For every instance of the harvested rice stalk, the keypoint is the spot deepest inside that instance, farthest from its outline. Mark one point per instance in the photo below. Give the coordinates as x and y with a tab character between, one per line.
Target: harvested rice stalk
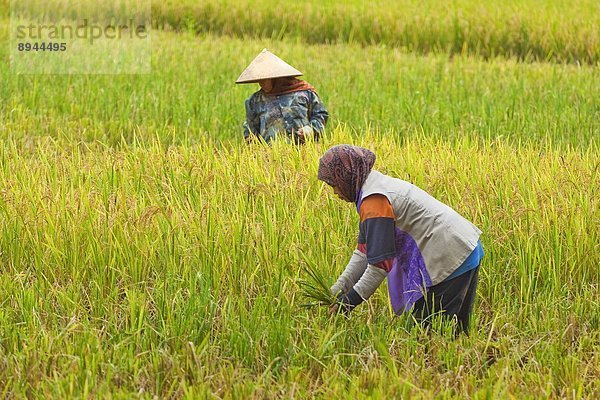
315	287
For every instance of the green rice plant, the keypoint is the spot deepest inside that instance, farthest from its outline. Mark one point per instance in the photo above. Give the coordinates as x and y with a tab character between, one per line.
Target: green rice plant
363	88
315	286
166	269
145	251
529	30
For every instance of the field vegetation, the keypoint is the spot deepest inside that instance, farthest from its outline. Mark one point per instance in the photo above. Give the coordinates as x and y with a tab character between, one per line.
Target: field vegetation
552	30
384	89
145	251
541	30
175	270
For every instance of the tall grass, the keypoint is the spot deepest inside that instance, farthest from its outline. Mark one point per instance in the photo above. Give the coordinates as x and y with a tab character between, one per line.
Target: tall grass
145	251
173	271
191	95
528	30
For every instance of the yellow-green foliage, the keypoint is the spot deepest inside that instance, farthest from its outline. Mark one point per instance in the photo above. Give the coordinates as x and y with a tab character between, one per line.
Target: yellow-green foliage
529	30
554	30
191	94
145	251
175	270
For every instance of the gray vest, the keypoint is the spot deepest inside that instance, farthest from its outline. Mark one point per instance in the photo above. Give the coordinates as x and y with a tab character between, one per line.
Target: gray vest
443	236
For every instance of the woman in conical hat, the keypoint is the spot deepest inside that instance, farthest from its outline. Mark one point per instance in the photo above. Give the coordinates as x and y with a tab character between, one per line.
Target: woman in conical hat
284	107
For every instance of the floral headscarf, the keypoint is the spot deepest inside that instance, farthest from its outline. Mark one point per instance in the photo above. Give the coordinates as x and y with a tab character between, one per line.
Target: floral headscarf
347	168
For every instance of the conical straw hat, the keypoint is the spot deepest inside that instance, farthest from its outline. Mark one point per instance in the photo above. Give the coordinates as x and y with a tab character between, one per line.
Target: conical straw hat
267	66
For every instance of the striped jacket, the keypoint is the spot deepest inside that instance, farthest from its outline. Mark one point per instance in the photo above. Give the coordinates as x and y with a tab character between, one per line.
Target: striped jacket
407	236
443	237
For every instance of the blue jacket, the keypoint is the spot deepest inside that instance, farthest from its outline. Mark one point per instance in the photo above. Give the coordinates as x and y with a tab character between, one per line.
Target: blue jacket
281	116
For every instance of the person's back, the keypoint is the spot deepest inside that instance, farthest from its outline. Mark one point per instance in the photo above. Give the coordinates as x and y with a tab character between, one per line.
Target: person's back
445	238
429	253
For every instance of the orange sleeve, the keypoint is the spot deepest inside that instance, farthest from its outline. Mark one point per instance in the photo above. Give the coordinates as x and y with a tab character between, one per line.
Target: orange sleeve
376	206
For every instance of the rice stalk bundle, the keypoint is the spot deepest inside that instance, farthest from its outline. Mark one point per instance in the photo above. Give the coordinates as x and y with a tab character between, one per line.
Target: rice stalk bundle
315	287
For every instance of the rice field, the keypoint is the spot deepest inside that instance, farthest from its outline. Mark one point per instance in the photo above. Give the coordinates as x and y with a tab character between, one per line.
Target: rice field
383	89
550	30
146	252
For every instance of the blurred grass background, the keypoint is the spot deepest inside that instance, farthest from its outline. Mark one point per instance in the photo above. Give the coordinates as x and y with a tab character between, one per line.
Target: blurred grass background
375	87
542	30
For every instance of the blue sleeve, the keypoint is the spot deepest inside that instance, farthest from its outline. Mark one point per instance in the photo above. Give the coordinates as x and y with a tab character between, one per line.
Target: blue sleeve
251	124
318	114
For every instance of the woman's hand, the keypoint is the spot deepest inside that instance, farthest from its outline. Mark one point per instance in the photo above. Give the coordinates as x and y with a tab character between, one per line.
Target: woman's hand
333	309
304	134
340	308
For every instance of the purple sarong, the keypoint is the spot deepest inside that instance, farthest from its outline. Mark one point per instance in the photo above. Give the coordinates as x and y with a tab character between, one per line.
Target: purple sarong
408	278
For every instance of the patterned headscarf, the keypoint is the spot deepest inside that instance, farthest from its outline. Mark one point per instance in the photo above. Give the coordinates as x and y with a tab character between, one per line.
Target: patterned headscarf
346	167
